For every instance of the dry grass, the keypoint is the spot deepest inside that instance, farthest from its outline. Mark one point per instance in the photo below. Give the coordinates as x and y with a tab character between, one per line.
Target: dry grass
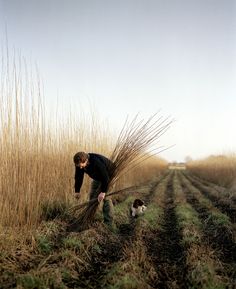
220	169
37	148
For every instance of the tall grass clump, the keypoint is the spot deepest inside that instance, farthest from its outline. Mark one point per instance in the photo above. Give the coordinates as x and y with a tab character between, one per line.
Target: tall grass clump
36	149
37	145
219	169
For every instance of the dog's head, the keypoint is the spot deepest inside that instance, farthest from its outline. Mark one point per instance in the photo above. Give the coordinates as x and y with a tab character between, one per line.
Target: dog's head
137	208
137	203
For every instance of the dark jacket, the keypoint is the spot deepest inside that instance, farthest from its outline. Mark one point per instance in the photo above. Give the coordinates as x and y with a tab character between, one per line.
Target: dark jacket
99	168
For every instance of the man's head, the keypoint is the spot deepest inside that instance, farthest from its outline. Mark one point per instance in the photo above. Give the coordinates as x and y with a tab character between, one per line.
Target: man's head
81	159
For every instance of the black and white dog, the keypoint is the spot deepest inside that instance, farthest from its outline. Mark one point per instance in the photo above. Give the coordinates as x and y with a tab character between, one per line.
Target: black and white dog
137	208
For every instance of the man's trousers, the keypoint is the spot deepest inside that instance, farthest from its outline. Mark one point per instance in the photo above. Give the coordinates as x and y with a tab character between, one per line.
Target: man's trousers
108	209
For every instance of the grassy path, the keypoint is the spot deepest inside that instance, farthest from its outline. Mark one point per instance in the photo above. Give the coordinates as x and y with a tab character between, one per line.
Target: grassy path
164	244
219	200
217	228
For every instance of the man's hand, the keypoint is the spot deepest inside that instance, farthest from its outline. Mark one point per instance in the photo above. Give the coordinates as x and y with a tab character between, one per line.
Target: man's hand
77	195
101	196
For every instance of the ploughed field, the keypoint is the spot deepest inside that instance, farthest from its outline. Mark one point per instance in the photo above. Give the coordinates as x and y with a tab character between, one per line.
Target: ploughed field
185	239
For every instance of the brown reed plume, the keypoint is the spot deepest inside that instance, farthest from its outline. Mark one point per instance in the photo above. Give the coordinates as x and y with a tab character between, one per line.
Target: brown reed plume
134	145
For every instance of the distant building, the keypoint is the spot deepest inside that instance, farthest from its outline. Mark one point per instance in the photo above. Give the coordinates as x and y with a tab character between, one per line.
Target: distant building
177	166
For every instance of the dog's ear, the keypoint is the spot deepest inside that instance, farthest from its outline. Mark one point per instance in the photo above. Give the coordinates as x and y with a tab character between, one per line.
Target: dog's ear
135	203
140	202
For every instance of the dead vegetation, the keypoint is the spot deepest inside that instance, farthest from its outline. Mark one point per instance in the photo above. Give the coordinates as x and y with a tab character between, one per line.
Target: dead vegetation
219	169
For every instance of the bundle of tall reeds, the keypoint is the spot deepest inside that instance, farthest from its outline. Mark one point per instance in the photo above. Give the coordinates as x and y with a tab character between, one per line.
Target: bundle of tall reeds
134	145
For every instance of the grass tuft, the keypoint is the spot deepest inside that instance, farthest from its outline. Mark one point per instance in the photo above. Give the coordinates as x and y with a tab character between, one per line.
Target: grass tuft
44	244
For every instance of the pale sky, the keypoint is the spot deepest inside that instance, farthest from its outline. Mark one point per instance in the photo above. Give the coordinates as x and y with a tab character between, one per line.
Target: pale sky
130	56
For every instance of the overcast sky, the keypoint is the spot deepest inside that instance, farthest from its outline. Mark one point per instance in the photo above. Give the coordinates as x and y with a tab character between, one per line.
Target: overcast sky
129	56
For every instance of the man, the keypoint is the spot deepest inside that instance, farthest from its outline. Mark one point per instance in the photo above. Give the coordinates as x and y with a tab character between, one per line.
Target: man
99	168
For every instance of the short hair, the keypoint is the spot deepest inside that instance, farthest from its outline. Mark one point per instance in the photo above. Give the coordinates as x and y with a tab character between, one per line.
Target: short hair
80	157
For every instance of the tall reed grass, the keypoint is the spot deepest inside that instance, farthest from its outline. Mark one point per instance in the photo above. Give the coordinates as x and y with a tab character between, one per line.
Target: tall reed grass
36	147
219	169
